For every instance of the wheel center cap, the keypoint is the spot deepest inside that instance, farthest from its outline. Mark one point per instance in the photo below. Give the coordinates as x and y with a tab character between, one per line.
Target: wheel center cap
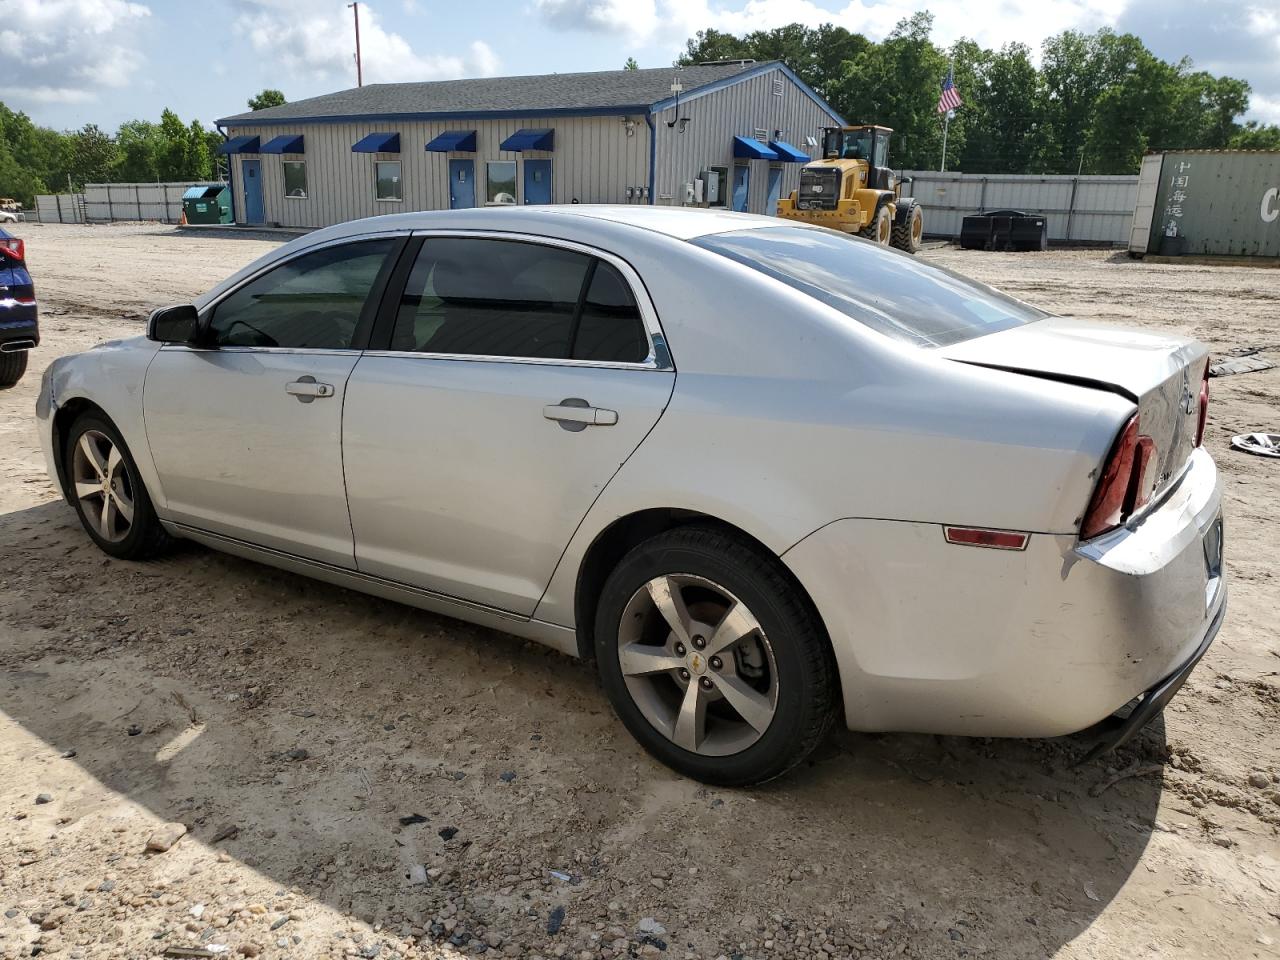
697	663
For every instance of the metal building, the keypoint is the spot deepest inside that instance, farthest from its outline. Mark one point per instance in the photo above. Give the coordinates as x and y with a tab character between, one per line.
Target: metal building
1208	203
724	134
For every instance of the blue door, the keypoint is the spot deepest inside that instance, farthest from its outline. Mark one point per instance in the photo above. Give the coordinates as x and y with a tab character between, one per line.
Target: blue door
537	181
462	184
741	187
251	170
775	191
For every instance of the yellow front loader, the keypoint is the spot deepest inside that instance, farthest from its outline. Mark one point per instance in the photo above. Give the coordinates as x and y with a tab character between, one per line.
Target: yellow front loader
853	189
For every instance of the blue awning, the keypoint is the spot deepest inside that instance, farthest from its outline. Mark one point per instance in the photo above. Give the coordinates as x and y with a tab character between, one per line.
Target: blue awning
748	149
461	141
239	145
289	143
378	143
787	153
529	140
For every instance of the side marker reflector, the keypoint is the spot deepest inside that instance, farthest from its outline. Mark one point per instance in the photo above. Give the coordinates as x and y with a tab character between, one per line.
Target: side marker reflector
979	537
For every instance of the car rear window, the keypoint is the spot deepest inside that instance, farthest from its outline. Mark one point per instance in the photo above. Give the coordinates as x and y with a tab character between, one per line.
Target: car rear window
891	292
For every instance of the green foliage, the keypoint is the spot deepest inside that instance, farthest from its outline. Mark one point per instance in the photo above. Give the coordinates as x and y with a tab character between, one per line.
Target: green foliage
631	64
1096	104
817	55
267	98
40	160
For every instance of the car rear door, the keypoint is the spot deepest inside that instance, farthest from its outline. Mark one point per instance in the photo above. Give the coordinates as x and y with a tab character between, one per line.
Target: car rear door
245	430
512	378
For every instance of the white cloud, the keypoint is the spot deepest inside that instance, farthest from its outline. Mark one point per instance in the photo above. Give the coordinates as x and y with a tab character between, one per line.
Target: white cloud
317	43
66	51
669	23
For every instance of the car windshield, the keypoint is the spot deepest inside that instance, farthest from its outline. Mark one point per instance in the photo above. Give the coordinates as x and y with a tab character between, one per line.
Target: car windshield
893	293
848	145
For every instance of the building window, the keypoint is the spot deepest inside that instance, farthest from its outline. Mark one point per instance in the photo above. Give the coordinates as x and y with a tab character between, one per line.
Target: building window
295	179
387	178
500	176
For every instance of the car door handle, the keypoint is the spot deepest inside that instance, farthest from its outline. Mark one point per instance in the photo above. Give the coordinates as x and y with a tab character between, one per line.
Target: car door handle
576	414
307	389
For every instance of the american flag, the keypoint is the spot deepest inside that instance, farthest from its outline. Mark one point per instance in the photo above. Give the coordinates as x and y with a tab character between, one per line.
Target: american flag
950	98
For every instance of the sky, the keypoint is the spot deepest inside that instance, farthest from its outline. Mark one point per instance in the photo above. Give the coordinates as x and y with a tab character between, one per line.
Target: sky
71	62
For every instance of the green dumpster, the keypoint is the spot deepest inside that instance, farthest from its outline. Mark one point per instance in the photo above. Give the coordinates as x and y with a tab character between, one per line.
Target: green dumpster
207	204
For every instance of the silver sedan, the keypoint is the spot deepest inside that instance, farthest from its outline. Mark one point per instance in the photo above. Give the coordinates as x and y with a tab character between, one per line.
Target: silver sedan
765	475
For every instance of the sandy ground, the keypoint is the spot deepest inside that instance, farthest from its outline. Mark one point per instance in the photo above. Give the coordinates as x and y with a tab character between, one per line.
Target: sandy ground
290	726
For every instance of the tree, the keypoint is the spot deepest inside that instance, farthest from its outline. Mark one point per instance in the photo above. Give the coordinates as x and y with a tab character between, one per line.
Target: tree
139	144
267	98
93	156
817	56
897	83
1256	136
631	64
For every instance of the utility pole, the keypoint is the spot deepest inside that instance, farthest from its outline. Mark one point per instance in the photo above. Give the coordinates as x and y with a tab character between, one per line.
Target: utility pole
355	7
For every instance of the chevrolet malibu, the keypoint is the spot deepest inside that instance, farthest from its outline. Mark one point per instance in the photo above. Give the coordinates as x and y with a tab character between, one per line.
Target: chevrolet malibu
768	476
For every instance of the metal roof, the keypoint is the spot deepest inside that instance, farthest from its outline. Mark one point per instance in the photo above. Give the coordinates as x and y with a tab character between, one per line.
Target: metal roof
609	91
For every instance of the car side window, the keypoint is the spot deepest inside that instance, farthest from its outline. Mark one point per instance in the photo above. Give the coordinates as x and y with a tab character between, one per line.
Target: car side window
314	301
510	298
610	327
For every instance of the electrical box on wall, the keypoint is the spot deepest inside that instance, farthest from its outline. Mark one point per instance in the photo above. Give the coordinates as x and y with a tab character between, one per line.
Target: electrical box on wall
712	187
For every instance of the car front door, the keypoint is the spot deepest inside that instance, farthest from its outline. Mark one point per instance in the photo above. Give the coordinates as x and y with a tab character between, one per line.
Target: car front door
245	429
516	375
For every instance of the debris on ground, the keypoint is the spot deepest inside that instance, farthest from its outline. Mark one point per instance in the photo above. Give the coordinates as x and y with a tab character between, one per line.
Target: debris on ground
1259	444
165	836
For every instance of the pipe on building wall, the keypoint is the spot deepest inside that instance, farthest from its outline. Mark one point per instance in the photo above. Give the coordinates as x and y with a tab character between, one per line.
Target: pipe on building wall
653	155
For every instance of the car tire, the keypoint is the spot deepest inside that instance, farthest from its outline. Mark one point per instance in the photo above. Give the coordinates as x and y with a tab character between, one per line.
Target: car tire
127	526
880	229
780	674
908	234
12	367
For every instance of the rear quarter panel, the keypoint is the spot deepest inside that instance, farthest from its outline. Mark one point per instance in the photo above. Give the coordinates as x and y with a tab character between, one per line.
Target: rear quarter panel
786	416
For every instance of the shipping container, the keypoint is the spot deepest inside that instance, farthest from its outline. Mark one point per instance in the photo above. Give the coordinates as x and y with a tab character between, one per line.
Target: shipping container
1208	203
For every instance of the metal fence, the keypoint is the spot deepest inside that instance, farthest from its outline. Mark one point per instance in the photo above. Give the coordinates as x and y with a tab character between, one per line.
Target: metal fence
58	208
1085	209
108	202
136	201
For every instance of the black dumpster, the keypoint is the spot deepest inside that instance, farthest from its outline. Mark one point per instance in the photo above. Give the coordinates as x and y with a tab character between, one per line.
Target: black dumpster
1004	230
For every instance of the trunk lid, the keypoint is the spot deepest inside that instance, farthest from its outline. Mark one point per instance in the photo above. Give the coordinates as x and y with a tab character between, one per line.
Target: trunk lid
1161	373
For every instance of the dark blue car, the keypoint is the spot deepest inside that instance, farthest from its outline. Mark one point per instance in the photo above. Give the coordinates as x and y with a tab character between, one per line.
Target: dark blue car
18	329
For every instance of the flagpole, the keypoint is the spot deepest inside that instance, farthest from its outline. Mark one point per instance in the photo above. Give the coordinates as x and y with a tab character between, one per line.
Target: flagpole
946	126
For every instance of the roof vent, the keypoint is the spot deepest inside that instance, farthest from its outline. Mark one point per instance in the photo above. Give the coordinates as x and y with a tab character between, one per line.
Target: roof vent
725	63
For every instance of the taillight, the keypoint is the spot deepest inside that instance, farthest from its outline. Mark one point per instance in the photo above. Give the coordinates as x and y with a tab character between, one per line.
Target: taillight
1204	406
1107	509
14	247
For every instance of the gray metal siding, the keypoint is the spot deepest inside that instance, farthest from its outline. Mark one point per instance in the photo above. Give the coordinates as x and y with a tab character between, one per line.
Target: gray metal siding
595	158
716	118
594	161
1095	209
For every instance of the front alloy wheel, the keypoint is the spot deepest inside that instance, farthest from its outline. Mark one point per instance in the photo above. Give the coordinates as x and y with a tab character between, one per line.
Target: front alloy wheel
103	486
713	657
108	494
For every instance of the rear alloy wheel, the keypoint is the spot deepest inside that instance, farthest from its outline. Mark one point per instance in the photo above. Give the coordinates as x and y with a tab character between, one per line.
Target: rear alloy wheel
108	493
12	367
713	658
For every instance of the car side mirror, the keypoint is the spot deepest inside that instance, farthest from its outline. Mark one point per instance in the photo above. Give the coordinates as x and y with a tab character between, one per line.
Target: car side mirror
180	324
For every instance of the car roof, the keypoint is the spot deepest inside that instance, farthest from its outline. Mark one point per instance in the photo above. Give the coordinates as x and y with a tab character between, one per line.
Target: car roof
682	223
